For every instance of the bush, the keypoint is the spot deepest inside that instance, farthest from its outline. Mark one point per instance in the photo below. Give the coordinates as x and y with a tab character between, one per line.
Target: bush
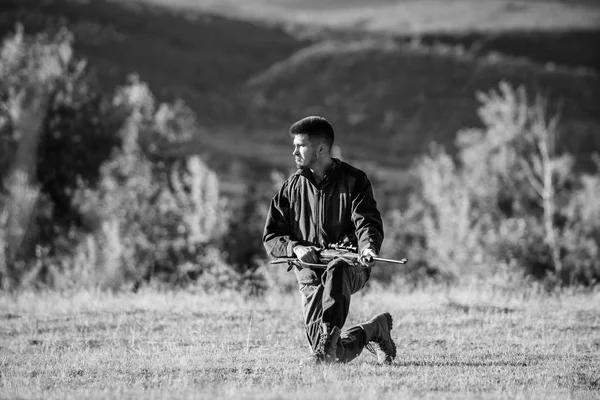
113	200
581	230
143	218
144	227
511	203
243	241
31	70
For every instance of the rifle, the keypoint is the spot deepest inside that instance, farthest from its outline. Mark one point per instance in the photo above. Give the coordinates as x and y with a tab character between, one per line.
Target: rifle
331	252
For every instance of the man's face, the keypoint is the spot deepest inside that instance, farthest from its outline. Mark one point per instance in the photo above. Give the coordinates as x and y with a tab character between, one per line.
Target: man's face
305	151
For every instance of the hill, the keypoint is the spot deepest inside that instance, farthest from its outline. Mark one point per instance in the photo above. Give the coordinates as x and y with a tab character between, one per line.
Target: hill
203	61
392	98
407	16
389	92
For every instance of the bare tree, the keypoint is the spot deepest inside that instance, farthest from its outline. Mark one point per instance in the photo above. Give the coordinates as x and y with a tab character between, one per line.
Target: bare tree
517	153
540	168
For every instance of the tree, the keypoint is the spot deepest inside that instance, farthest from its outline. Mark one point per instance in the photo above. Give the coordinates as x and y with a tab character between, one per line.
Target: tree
512	199
518	152
31	69
93	180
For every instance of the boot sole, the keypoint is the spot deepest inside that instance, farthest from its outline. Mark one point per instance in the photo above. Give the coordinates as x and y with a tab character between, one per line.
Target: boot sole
390	323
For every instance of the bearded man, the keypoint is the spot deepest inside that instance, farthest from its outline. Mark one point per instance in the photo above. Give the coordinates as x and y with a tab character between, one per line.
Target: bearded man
327	202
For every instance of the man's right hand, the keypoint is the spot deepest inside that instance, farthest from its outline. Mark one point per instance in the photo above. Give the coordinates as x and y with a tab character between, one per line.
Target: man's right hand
307	254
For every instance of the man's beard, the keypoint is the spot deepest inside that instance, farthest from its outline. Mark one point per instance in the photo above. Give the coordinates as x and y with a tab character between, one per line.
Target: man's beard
307	165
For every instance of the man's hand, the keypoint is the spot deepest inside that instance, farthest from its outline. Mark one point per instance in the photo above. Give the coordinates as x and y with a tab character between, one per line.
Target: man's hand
367	257
307	254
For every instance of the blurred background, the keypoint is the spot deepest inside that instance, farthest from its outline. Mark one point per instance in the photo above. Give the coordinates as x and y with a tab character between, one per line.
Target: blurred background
141	141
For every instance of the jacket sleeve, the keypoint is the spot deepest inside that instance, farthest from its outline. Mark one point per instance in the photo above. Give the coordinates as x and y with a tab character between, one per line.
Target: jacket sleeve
365	216
277	233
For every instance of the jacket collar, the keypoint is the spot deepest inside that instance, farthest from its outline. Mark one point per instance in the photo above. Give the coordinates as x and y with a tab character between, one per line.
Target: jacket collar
330	174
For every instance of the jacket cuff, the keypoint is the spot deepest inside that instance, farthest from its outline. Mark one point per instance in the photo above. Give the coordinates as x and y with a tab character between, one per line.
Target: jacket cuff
368	244
290	248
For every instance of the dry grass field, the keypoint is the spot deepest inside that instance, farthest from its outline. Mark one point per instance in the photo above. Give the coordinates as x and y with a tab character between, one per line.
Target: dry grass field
246	81
453	344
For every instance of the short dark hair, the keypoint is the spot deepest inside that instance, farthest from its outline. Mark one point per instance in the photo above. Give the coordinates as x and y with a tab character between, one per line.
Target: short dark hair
314	126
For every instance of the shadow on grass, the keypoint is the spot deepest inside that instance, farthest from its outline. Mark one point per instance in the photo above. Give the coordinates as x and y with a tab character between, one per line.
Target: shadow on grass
466	308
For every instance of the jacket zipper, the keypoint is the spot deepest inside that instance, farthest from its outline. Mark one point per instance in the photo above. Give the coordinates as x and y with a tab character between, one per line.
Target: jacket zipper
319	208
318	211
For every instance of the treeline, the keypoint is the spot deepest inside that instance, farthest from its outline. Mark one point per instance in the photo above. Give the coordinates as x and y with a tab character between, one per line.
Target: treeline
511	206
93	195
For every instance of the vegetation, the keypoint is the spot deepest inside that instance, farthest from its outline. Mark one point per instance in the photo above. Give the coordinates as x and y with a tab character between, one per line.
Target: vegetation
202	61
511	203
126	270
398	88
403	95
138	208
452	343
127	213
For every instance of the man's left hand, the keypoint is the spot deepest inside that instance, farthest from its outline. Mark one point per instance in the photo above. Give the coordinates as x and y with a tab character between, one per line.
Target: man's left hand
367	257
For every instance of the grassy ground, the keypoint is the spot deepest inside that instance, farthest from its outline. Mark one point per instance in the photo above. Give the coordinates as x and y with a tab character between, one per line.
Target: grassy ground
453	343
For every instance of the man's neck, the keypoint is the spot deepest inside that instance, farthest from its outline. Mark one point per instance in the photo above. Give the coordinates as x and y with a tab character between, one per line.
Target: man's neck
320	169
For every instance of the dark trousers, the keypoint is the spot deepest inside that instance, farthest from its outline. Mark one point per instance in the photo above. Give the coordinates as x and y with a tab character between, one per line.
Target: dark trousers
326	299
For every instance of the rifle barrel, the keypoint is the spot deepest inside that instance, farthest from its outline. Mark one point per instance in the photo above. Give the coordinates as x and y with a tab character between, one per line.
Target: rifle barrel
387	260
402	261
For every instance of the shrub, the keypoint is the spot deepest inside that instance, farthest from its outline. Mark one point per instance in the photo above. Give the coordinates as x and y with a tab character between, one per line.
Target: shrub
113	199
144	227
243	241
31	70
512	202
581	231
151	219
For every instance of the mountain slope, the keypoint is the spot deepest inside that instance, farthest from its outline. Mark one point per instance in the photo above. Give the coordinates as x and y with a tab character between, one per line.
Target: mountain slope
408	16
203	60
391	99
387	95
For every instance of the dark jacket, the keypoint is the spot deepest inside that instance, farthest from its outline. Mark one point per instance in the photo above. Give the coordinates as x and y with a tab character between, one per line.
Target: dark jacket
341	207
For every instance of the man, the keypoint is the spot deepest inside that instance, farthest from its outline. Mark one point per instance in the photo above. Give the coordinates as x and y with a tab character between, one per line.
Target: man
325	202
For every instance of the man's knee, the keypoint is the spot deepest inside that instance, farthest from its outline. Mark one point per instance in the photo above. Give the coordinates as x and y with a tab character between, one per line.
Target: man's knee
337	266
337	277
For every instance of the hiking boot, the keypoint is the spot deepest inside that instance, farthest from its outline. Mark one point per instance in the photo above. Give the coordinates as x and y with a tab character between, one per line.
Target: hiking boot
327	346
377	330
